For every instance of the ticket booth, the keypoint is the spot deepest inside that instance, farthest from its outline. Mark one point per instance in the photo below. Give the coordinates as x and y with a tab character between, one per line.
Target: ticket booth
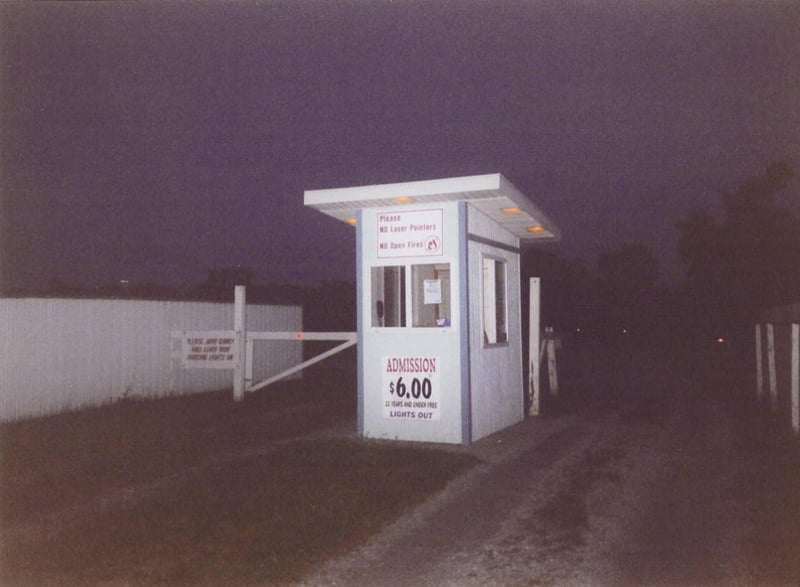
439	303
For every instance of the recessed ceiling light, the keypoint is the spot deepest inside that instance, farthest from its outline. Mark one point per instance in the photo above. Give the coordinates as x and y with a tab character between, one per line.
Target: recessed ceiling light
403	200
514	210
351	221
537	228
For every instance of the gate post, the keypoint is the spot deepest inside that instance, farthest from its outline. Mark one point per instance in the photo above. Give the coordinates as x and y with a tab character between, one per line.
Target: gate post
773	384
759	365
240	336
551	363
795	377
534	342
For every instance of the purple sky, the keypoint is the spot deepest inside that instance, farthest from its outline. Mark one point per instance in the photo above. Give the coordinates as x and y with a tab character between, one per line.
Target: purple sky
156	140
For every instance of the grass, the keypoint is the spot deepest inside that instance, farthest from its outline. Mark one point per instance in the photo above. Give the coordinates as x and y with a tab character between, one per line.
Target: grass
97	450
221	498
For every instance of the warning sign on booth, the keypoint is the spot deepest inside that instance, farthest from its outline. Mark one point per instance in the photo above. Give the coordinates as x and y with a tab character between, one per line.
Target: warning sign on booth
410	233
411	388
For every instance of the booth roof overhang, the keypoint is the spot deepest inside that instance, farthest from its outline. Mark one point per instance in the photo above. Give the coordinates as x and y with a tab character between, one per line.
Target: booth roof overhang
492	194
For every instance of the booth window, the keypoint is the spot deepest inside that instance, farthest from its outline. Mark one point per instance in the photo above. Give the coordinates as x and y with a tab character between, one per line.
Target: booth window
494	301
389	296
430	286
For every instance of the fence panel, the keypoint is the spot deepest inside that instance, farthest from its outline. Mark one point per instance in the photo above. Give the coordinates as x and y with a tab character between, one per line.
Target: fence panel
58	354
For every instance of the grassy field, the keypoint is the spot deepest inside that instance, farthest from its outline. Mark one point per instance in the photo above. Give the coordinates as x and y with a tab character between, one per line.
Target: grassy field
199	490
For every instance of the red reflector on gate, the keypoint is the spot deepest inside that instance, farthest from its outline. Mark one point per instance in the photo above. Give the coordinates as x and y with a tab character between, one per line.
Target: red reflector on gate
299	336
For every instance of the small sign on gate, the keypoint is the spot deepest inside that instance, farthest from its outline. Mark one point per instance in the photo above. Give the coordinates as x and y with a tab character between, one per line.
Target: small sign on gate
208	349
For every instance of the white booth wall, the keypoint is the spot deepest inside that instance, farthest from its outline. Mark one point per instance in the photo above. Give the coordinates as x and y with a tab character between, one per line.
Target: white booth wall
478	385
380	345
448	329
496	384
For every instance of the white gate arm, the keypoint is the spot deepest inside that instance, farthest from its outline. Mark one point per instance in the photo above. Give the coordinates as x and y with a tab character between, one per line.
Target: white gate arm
349	338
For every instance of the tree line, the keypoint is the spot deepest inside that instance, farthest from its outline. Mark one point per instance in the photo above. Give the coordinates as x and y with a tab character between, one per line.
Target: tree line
740	257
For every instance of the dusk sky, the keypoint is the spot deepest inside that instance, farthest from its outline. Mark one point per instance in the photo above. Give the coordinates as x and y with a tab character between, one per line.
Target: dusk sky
153	141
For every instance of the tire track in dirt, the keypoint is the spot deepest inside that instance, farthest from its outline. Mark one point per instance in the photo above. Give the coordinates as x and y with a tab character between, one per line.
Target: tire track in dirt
641	494
462	536
692	530
674	515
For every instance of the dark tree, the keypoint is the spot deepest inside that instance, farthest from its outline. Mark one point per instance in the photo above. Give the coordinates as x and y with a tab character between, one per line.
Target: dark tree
626	289
229	277
330	306
221	282
567	298
749	258
631	269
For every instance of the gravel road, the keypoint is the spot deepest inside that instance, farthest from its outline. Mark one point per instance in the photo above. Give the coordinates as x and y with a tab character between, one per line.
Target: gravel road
633	477
644	492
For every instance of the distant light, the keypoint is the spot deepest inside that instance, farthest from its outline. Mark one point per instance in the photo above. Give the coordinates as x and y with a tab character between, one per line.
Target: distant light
577	331
537	228
351	221
720	340
624	331
124	282
514	210
403	200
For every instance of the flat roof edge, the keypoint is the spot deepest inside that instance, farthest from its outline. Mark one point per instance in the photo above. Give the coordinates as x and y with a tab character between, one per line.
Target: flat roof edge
528	206
479	190
467	183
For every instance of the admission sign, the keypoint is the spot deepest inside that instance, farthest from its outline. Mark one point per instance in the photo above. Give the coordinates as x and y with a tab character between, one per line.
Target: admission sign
410	388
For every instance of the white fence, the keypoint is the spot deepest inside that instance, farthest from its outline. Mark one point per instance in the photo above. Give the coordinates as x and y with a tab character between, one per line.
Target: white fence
59	354
778	361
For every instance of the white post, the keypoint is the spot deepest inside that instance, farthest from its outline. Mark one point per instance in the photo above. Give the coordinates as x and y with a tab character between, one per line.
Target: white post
240	338
248	364
773	384
534	342
551	367
796	378
759	365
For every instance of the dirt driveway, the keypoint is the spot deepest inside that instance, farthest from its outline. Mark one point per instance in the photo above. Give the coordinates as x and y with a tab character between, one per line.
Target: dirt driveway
641	479
670	491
